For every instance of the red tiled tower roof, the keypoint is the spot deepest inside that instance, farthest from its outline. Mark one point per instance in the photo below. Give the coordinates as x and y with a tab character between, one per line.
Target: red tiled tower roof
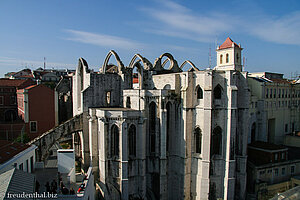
228	43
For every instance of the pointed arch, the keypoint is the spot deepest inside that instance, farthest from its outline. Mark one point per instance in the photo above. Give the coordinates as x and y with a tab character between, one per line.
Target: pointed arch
190	63
199	92
218	90
152	126
119	62
169	122
216	141
197	140
81	70
136	63
114	141
146	63
132	140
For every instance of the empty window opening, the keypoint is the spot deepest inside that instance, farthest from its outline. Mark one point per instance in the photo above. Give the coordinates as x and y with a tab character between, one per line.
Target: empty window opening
197	140
152	125
128	102
132	140
199	93
216	147
218	92
114	140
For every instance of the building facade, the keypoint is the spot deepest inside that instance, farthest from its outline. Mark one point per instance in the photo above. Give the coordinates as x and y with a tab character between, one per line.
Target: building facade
177	135
10	124
274	107
36	107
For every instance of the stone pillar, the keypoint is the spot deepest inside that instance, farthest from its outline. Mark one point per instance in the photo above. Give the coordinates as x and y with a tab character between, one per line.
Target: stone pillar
163	158
93	141
124	161
102	150
141	155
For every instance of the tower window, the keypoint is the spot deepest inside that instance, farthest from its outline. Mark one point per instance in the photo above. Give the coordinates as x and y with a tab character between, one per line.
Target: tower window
227	58
221	59
199	92
237	57
218	92
197	140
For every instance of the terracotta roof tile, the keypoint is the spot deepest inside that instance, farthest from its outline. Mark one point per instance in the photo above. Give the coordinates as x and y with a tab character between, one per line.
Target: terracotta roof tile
228	43
11	82
9	149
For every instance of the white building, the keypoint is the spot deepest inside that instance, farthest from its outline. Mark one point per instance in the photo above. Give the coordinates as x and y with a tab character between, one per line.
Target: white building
274	107
17	155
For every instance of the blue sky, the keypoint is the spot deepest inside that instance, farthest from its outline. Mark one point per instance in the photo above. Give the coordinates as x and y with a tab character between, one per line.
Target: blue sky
63	31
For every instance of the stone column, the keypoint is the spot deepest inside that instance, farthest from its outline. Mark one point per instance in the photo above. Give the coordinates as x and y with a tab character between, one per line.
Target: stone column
141	155
124	161
93	141
102	150
163	158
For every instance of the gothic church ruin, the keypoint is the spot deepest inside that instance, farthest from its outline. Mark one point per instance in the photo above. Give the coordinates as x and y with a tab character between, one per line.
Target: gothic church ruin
153	132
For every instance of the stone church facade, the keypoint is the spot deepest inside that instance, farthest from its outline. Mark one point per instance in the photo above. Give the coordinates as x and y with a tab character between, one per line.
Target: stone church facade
172	135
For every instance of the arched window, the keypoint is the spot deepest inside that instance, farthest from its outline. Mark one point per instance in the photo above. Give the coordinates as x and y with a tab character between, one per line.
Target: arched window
221	59
199	92
128	102
132	140
216	140
152	125
197	140
218	92
114	139
169	106
237	57
227	58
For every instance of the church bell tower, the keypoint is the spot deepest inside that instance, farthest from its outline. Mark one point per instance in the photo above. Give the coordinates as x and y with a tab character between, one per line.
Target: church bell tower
229	56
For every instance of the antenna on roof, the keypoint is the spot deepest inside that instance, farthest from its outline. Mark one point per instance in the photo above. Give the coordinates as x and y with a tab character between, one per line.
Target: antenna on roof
44	63
209	57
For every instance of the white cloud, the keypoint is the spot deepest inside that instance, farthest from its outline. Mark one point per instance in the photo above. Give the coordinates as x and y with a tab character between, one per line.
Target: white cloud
178	21
103	40
282	30
175	20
